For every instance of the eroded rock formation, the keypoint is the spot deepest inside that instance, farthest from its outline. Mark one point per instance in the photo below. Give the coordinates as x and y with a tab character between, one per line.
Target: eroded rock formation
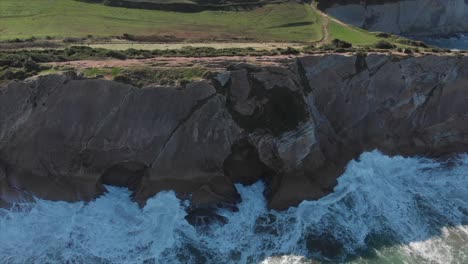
414	17
295	127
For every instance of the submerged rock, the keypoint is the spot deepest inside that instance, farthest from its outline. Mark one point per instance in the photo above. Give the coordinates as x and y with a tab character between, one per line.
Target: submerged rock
295	127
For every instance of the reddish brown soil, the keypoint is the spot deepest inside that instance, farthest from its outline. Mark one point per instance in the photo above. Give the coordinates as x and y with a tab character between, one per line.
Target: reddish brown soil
209	62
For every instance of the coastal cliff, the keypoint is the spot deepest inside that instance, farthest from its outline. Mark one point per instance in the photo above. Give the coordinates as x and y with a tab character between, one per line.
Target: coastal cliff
412	17
293	126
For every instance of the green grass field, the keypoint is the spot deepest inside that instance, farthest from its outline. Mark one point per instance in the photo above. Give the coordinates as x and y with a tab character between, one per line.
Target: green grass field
350	34
68	18
361	37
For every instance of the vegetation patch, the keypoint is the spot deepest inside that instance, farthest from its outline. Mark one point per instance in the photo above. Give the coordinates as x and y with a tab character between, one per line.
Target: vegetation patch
384	45
143	76
75	20
21	64
337	45
74	53
19	67
362	38
356	36
102	72
26	22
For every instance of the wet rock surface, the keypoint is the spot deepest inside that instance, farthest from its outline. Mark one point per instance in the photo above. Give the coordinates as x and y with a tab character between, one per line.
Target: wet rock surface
295	127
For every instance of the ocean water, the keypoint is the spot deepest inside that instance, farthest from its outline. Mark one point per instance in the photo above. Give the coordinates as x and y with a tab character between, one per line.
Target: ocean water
384	210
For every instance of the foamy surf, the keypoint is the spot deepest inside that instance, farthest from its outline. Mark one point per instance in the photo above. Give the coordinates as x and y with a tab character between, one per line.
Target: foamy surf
384	210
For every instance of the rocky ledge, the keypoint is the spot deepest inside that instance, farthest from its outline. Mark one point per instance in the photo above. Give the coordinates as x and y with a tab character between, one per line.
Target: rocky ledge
295	127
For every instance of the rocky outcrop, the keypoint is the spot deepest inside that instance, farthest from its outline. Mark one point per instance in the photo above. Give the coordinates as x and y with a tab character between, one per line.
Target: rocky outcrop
63	138
413	17
295	127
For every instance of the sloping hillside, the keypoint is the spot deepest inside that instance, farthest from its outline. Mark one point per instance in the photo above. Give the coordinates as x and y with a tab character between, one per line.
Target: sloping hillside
78	22
289	21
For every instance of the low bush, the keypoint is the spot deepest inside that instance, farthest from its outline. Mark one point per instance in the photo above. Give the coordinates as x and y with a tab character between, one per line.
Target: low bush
72	40
289	51
18	66
337	44
116	54
407	51
384	45
383	35
413	43
341	44
161	76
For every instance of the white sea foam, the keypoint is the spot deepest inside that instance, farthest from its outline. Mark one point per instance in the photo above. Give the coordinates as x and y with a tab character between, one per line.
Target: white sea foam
384	210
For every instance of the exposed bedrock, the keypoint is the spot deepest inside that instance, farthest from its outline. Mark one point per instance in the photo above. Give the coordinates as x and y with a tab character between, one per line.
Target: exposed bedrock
415	17
295	127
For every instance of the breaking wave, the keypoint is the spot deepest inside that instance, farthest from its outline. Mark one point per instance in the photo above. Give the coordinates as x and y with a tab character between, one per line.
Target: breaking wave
383	210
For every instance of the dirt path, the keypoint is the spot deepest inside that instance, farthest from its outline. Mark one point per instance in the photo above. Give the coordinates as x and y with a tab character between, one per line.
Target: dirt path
326	33
215	63
208	62
123	45
216	45
325	22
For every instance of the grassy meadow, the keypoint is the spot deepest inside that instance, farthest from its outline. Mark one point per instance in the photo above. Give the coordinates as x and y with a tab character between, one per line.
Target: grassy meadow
286	22
350	34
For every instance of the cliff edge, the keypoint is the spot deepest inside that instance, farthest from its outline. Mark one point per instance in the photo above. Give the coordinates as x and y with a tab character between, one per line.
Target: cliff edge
295	127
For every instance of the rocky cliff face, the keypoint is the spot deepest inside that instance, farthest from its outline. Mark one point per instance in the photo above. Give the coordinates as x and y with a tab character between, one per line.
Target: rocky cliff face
63	138
415	17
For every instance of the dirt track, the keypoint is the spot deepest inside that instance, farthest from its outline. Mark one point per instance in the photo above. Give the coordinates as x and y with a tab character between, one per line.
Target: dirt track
209	62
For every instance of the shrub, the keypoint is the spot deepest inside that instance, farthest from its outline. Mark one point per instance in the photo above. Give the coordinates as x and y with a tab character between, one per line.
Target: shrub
289	51
123	79
309	49
72	40
413	43
338	43
116	54
78	50
30	66
128	36
384	45
408	51
383	35
14	75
